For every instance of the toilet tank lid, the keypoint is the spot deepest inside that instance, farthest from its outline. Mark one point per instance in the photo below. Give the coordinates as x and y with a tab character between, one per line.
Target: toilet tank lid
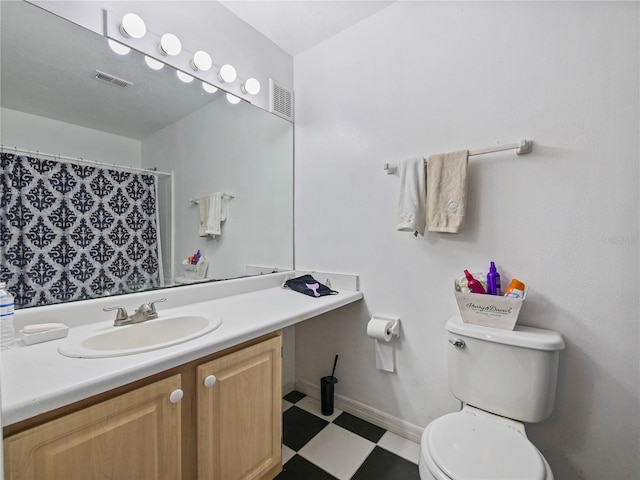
521	336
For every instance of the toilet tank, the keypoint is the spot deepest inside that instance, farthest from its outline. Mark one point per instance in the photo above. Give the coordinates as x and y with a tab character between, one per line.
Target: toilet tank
510	373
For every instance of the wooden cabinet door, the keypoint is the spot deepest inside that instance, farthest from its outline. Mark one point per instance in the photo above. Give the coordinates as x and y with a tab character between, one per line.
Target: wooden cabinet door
133	436
240	416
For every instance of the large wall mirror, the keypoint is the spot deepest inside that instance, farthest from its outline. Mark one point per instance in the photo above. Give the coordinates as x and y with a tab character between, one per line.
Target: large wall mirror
236	157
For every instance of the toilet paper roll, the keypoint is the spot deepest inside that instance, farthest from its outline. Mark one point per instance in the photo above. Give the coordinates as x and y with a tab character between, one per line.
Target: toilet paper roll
379	329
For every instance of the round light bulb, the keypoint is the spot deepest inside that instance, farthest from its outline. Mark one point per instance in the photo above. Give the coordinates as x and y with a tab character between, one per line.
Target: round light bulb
184	77
170	44
207	87
232	99
201	61
153	64
227	74
119	48
132	26
251	86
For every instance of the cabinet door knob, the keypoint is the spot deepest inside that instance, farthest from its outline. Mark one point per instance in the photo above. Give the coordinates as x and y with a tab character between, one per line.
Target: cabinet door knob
209	381
176	395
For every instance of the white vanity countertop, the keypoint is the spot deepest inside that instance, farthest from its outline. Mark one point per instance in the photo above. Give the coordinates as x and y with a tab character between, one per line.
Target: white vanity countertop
37	379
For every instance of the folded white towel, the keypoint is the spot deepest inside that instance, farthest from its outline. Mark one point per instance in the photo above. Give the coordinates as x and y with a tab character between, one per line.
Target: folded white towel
446	191
411	213
217	214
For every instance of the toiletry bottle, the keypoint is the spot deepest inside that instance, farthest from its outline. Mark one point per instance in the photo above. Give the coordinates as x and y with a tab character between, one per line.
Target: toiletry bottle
515	289
493	281
474	285
7	336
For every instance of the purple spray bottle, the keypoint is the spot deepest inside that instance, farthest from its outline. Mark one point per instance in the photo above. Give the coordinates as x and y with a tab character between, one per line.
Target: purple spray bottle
493	281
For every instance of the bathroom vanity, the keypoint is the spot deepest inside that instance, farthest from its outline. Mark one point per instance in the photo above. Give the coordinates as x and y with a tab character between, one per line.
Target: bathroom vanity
206	408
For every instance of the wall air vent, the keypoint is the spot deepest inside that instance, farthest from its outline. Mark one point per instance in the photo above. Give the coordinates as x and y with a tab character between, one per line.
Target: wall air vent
280	101
115	81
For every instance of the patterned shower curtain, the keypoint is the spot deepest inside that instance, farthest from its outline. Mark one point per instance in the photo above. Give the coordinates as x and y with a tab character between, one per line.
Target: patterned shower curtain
72	232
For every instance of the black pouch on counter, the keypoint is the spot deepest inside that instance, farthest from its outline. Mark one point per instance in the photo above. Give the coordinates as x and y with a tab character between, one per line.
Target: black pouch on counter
309	286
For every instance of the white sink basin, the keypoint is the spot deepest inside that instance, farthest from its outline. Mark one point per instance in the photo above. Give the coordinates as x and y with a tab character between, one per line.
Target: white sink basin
139	337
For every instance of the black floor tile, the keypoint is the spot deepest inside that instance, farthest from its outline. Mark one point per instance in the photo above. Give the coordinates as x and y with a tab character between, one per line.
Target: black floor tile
300	469
294	396
384	465
360	427
298	427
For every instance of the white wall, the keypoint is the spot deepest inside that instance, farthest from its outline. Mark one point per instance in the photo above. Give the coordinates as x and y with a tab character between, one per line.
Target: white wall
32	132
426	77
240	150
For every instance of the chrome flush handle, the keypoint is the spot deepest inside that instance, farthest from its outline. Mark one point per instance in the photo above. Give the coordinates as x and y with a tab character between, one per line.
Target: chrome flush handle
457	342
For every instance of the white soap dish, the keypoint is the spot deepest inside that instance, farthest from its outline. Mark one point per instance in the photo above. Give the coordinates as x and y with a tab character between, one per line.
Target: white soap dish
32	334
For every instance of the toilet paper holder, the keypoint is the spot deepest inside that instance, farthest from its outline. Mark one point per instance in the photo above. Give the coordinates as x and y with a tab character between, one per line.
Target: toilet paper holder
394	329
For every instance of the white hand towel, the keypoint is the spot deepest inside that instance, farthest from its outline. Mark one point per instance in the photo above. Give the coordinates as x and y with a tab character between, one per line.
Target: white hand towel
203	206
446	191
217	214
411	214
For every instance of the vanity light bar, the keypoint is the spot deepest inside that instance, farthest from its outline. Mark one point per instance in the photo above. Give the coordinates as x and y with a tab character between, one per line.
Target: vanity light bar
131	31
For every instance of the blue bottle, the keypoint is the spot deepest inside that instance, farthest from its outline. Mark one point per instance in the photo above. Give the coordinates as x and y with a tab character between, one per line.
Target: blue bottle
493	281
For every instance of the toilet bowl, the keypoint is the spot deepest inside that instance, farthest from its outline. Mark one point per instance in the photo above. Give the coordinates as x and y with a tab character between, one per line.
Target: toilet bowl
477	445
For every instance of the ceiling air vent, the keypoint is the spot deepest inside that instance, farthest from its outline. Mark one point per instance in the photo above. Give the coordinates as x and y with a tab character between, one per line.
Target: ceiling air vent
280	101
115	81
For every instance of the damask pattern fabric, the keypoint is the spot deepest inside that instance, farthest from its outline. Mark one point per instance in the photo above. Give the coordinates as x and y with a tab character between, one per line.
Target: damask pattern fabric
72	232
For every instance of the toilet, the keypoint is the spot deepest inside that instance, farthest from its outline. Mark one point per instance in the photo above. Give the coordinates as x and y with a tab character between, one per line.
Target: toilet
504	379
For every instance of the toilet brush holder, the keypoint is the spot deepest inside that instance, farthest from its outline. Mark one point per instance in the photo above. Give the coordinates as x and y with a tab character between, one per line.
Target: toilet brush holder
327	390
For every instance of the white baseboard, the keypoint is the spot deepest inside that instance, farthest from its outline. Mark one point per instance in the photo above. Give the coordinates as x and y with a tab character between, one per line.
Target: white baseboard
388	422
287	388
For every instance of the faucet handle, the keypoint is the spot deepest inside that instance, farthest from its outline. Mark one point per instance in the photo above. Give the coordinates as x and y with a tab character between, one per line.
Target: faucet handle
121	315
152	304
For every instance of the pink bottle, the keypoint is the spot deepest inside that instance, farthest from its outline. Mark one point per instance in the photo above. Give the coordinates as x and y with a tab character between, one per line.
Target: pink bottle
474	285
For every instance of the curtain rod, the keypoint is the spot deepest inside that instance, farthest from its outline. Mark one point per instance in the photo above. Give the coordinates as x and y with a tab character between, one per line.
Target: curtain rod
82	160
521	148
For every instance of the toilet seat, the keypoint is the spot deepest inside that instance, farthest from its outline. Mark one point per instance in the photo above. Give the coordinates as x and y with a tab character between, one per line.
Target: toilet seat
472	444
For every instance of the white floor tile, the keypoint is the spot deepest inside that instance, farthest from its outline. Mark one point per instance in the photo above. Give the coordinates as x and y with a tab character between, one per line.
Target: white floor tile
286	405
337	451
314	406
287	453
400	446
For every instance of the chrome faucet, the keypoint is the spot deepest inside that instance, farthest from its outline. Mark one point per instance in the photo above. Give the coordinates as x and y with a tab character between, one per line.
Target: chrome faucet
146	311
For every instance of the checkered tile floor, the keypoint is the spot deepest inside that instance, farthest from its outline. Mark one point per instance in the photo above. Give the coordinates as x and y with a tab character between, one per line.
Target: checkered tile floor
340	446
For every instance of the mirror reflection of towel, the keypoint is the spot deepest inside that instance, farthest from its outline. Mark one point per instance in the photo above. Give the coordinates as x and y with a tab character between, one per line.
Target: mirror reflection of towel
446	191
217	214
203	206
212	214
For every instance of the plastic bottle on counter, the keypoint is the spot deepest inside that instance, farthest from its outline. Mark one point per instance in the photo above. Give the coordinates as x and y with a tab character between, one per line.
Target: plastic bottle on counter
7	335
515	289
474	285
493	281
